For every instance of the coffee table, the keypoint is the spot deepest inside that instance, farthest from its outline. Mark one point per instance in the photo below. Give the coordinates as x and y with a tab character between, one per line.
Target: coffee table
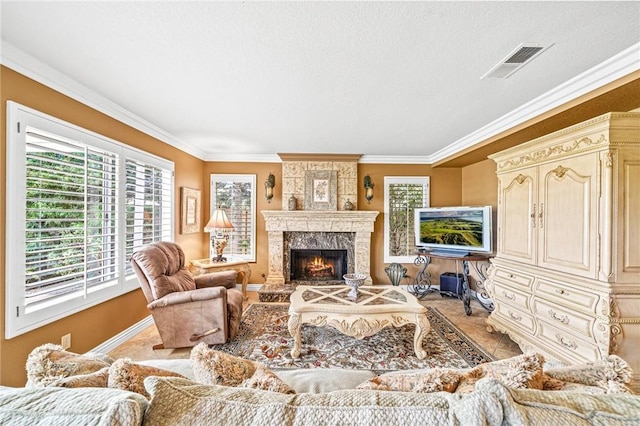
375	308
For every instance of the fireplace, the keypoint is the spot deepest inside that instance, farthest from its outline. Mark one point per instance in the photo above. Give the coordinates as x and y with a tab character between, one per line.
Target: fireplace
318	230
318	265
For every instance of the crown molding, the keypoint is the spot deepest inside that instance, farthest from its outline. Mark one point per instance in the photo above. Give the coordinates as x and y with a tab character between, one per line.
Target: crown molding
226	157
395	159
616	67
318	157
27	65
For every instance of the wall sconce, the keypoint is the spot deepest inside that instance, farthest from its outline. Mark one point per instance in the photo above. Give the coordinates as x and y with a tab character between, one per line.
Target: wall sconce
220	227
368	188
268	187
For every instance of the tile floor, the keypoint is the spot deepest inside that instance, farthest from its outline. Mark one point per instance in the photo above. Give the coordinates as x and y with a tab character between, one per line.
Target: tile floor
499	345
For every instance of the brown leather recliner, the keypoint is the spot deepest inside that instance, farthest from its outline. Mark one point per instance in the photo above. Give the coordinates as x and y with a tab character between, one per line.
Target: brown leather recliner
187	311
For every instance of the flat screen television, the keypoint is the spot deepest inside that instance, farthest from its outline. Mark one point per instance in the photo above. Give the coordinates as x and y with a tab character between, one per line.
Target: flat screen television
455	231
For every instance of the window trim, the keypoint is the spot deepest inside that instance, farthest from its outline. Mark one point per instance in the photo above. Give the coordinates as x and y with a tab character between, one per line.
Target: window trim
17	320
236	177
390	180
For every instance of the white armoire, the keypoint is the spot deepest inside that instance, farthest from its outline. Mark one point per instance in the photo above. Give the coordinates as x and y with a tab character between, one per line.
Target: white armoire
565	280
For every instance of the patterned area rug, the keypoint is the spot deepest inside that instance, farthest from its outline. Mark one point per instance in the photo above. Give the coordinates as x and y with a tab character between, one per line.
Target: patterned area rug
264	337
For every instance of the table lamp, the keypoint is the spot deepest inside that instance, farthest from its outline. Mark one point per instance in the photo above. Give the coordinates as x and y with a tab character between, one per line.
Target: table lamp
220	227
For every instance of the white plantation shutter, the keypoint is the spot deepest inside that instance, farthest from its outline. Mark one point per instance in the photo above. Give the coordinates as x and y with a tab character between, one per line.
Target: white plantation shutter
70	217
402	196
78	205
148	205
236	195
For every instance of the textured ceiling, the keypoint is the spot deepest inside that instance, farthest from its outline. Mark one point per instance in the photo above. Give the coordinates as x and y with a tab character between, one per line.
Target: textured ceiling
258	78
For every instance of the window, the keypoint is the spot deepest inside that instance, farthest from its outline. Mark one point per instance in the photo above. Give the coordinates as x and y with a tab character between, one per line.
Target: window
236	194
80	204
401	196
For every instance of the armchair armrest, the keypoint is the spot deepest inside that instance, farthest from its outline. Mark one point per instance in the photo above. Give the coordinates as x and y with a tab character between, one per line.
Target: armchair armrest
225	279
180	297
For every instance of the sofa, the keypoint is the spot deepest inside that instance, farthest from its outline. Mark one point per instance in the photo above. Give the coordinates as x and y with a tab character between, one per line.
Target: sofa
215	388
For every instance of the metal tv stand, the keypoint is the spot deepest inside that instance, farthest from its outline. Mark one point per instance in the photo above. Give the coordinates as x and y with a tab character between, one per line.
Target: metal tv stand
422	284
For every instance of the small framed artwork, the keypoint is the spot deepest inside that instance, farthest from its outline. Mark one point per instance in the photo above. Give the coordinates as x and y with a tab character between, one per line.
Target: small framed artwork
190	210
320	190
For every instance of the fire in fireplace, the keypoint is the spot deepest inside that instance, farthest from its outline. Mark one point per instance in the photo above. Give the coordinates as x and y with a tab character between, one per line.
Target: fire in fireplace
318	265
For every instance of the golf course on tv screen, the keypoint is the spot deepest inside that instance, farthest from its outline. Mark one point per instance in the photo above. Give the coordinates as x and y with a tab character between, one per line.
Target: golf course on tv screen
452	228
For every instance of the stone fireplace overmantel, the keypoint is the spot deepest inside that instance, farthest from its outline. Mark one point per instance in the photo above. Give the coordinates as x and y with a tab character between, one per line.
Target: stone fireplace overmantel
358	222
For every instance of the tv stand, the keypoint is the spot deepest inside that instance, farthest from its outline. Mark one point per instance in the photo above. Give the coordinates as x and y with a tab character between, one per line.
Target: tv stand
422	284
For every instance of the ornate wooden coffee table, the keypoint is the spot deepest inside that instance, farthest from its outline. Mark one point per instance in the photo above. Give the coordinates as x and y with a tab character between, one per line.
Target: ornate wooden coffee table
375	308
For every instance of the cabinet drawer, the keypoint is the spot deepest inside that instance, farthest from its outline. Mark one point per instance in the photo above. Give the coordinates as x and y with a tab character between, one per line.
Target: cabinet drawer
574	348
506	293
563	318
567	296
514	277
522	320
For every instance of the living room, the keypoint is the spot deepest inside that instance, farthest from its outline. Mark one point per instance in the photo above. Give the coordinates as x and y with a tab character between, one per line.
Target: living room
464	178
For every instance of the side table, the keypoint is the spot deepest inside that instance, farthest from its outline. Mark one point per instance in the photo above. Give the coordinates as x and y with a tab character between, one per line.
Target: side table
203	266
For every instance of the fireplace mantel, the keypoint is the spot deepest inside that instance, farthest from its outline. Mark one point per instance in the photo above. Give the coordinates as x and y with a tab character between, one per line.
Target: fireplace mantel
278	222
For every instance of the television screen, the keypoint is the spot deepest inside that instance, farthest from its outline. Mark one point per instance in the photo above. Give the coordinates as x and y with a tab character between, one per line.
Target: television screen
460	230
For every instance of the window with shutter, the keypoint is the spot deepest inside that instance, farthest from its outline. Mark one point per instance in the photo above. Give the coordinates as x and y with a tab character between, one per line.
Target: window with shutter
80	203
148	212
235	193
401	196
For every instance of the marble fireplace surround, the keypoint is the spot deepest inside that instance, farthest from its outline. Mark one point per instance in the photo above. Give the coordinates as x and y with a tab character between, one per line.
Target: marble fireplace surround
277	223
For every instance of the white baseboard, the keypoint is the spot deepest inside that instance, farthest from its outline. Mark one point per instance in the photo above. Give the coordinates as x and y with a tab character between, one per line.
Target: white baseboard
251	287
122	337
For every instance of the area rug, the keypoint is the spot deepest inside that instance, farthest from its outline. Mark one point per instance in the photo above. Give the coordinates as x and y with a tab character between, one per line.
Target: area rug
264	337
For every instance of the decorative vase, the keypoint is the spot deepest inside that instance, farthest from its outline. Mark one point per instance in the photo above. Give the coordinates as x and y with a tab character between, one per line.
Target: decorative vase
293	203
354	281
396	273
348	205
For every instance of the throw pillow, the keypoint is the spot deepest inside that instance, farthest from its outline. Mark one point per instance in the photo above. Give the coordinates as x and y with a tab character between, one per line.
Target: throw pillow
549	383
97	379
434	380
126	375
211	367
265	379
49	363
611	374
523	371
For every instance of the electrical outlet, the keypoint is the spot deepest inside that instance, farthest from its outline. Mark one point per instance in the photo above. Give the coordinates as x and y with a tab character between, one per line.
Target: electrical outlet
65	342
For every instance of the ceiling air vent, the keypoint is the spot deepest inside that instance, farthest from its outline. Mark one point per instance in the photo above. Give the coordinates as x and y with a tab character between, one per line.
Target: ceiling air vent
515	60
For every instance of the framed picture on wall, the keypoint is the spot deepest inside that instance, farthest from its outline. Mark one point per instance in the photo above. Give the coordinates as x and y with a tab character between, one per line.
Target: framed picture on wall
190	210
321	187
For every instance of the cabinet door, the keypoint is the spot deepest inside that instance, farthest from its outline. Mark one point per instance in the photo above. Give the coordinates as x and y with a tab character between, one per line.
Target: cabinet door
567	215
517	224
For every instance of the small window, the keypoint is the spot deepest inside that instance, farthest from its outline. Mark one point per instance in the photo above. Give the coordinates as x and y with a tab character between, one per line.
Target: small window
236	194
401	196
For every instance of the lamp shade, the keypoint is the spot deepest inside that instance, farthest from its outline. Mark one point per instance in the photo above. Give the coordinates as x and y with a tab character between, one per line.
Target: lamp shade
218	222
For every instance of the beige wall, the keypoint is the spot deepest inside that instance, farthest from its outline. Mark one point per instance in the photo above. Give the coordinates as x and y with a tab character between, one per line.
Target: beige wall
93	326
480	184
